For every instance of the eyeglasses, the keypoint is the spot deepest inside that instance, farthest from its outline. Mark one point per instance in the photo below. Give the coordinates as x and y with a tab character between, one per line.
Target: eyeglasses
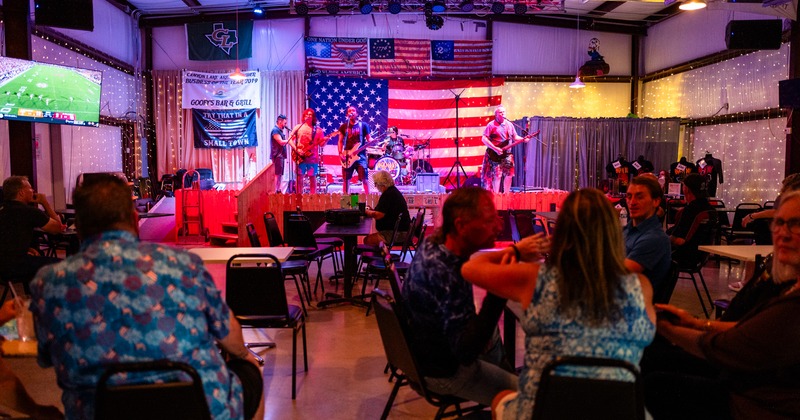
792	225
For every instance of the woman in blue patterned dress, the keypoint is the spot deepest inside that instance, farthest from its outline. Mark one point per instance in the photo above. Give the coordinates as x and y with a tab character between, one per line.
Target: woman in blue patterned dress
581	301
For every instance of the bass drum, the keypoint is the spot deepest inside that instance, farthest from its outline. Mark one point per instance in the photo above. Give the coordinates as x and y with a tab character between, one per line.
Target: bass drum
388	164
420	166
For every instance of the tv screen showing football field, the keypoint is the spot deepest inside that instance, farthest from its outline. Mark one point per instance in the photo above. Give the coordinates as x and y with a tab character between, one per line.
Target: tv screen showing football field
48	93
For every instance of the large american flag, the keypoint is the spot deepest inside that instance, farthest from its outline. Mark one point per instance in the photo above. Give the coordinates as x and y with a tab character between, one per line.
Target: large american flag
462	58
422	110
399	57
337	56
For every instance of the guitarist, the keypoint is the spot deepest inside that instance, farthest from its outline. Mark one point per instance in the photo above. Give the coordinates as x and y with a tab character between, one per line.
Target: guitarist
354	135
498	136
305	140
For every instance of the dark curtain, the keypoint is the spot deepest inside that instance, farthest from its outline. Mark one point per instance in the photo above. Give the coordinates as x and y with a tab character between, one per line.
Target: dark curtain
573	152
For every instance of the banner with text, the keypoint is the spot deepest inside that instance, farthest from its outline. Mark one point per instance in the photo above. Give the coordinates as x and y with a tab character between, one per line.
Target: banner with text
218	91
224	128
337	56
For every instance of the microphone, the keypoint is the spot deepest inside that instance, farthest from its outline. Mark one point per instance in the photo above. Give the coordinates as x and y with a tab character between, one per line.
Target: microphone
404	135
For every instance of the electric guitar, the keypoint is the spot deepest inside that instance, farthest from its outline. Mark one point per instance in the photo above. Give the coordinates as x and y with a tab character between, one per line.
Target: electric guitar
495	138
302	151
350	156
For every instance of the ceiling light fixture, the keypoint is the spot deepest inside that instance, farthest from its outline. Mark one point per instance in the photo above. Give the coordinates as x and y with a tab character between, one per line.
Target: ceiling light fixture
395	7
434	22
520	8
498	8
693	5
439	6
467	6
237	76
577	84
258	11
332	7
365	6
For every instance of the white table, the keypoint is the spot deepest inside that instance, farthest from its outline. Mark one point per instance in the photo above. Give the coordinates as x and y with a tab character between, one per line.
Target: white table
223	254
745	253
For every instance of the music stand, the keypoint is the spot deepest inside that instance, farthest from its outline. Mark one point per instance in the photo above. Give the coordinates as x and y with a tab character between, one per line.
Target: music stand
457	164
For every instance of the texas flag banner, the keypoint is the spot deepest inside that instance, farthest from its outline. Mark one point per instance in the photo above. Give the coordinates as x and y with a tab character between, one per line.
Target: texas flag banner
462	58
399	57
423	111
337	56
220	40
224	128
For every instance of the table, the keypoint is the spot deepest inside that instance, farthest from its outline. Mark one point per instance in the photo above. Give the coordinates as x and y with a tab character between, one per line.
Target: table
550	215
746	253
223	254
349	234
142	215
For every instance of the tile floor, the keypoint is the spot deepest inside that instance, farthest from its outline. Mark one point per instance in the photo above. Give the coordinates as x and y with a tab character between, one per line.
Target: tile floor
346	361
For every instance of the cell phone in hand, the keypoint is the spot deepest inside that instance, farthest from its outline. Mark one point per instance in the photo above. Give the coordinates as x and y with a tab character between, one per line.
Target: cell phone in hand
671	317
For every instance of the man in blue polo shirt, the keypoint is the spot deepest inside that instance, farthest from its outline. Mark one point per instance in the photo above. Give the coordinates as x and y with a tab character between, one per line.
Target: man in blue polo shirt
647	247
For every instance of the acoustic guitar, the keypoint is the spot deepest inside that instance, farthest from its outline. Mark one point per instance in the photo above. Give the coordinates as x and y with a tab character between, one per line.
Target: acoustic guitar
505	146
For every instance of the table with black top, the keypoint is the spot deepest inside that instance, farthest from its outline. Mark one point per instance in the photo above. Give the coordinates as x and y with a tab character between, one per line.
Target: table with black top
349	234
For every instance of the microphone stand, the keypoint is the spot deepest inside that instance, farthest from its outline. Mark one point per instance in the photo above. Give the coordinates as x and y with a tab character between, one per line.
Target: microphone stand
457	164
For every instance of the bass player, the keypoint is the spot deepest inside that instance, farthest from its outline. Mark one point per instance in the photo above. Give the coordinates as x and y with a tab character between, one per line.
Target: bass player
499	137
305	140
353	141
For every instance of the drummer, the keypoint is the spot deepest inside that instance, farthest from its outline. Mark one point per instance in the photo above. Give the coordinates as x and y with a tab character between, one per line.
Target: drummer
395	147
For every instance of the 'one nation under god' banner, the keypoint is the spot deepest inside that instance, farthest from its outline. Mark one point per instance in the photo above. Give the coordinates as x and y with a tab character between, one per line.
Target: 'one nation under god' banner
218	91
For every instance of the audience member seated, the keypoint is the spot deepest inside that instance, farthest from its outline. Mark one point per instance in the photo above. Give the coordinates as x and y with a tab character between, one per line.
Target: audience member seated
696	203
752	367
581	301
19	217
122	300
460	351
12	393
390	205
759	221
647	247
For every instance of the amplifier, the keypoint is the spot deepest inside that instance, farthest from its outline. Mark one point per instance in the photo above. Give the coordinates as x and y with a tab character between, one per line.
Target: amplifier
428	182
343	216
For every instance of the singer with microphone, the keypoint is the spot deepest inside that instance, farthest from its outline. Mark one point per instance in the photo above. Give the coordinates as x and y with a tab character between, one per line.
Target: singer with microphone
277	151
353	142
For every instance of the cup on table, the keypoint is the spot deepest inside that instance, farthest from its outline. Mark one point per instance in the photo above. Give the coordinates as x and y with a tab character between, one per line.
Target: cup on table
25	330
362	208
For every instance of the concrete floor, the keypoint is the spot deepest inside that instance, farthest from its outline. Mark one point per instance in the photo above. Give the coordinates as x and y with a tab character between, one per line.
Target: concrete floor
346	360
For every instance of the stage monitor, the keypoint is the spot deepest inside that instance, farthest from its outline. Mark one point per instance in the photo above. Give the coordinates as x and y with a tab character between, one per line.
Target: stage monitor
789	93
70	14
48	93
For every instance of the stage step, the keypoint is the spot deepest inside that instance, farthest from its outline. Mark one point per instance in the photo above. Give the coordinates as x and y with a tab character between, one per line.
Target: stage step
223	239
230	227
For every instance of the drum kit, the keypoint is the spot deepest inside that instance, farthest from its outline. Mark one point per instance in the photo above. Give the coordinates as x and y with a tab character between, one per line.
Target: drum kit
403	162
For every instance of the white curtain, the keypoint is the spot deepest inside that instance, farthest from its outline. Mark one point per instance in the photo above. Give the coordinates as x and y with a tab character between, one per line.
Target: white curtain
282	92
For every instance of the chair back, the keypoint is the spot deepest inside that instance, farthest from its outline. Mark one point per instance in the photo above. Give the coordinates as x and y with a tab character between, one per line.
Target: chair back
570	397
299	232
538	226
769	204
409	239
252	235
396	230
664	294
512	224
702	232
394	335
394	277
255	290
274	236
525	222
163	400
418	229
742	210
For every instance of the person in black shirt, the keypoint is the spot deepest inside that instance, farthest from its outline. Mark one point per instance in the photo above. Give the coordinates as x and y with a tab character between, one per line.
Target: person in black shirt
696	203
19	258
390	205
278	149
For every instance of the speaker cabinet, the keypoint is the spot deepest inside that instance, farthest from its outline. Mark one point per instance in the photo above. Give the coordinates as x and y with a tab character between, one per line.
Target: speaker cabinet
753	34
789	93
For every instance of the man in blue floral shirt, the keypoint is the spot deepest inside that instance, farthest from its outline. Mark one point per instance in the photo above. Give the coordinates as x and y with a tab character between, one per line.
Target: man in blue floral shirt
121	300
460	351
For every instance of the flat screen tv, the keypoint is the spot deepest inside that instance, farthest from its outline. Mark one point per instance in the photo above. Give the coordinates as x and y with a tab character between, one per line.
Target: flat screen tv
48	93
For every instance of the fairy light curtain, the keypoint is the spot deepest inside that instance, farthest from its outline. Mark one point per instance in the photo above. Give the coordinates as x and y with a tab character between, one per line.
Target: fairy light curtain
573	152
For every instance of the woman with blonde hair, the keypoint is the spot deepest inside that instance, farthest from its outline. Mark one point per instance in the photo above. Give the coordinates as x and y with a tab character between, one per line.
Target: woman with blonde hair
581	301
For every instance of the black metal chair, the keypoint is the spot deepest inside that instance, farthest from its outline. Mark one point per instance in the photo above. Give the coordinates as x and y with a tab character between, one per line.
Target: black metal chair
690	260
397	345
291	268
664	294
178	399
736	232
299	233
569	397
257	297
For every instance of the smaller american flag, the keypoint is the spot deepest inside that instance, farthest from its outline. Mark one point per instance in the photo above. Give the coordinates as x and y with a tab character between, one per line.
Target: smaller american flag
462	59
337	56
399	57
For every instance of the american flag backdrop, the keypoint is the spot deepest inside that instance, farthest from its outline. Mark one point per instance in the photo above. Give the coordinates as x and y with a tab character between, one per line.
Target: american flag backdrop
390	57
462	58
337	56
422	110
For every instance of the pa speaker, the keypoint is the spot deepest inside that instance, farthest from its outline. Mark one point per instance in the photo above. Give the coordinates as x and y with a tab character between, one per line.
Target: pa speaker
753	34
70	14
789	93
